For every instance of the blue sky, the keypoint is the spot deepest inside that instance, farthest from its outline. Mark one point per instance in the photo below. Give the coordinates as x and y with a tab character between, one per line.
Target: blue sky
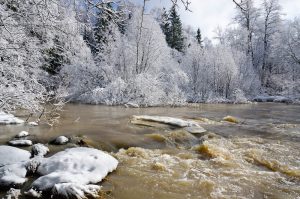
208	14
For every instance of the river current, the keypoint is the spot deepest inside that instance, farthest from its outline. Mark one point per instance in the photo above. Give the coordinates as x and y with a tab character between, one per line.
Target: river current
258	157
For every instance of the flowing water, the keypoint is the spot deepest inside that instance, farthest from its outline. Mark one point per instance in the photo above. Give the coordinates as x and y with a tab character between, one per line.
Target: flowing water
257	158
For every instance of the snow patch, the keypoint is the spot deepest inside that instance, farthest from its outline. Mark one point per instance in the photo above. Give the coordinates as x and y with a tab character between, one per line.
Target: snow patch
6	118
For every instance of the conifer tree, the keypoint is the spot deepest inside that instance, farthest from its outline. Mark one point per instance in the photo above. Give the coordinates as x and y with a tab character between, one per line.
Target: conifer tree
165	24
101	29
175	37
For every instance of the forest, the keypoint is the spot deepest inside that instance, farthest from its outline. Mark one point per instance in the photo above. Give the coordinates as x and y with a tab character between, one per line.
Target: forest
118	52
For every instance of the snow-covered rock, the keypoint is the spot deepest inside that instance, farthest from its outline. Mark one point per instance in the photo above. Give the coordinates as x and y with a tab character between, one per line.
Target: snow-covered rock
80	166
132	105
33	124
13	166
22	134
13	174
13	194
166	120
10	155
195	129
20	142
39	150
70	190
60	140
6	118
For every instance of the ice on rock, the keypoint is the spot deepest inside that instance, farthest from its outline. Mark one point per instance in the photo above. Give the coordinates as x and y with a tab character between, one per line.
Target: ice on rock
60	140
78	166
69	190
39	150
6	118
20	142
166	120
22	134
13	166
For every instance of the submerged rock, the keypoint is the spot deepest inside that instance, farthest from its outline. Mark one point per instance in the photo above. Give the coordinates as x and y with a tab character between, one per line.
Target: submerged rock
60	140
6	118
79	166
39	150
20	142
22	134
166	120
231	119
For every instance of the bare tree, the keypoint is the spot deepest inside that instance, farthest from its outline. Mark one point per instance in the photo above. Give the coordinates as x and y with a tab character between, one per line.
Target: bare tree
247	18
271	14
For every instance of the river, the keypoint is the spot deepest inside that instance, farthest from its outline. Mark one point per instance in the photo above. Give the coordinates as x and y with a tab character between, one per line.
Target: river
257	158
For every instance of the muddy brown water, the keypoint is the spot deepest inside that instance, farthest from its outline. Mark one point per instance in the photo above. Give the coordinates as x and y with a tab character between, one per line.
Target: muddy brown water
257	158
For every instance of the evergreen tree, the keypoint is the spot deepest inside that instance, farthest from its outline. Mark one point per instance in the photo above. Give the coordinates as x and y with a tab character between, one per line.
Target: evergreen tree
199	38
165	24
54	57
102	28
175	37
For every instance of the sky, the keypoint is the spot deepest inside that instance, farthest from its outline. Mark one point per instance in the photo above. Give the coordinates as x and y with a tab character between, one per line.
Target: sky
209	14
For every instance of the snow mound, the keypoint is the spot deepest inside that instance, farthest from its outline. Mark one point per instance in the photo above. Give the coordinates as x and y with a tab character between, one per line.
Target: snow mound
69	190
39	150
6	118
166	120
60	140
20	142
22	134
80	166
10	155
